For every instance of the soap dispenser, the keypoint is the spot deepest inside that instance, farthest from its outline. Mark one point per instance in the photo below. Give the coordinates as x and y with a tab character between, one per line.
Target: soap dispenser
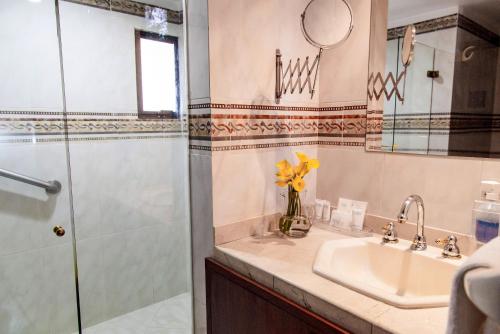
486	212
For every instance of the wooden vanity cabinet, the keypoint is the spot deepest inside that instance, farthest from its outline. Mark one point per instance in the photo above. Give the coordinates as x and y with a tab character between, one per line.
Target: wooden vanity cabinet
239	305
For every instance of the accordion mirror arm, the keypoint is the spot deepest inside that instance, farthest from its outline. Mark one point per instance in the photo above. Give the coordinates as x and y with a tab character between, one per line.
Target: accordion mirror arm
295	76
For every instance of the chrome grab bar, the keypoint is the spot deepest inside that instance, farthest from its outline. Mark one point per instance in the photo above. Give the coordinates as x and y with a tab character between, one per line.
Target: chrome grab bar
51	187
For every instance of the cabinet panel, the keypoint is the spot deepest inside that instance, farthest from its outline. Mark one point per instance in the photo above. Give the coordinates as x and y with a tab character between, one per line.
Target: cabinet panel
236	304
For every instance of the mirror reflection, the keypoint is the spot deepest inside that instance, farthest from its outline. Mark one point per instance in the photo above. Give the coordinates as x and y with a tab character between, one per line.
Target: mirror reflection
446	100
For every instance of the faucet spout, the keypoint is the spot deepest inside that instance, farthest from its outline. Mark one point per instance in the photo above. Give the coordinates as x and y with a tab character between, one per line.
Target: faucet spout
419	242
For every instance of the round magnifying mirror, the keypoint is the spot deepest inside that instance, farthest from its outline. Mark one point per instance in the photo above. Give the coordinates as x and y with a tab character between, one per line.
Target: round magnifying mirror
408	45
327	23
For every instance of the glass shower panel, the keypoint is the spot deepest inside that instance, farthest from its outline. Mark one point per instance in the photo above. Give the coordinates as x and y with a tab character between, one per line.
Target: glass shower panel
129	169
442	89
37	277
392	63
412	118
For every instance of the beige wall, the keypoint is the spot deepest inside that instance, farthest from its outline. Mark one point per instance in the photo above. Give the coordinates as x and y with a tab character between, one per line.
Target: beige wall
244	36
242	71
344	70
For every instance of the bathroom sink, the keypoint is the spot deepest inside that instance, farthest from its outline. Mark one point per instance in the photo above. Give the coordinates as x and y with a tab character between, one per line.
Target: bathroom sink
391	273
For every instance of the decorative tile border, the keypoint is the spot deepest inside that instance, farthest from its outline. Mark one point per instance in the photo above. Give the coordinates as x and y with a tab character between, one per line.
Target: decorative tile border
435	125
272	107
219	127
26	126
134	8
55	126
85	139
439	23
441	124
446	22
273	145
228	131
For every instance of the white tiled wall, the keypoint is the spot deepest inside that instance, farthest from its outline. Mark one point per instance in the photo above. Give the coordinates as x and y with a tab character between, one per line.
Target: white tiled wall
132	230
448	185
99	58
35	83
244	185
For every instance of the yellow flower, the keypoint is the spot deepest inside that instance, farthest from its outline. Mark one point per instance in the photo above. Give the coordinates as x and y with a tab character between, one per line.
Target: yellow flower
298	183
302	157
293	175
313	163
301	169
285	172
282	183
306	164
283	164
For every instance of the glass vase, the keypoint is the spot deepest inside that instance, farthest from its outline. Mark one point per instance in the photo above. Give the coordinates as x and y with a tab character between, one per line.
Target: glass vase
293	223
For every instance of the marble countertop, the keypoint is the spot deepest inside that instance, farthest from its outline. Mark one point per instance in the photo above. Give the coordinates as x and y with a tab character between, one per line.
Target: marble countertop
285	265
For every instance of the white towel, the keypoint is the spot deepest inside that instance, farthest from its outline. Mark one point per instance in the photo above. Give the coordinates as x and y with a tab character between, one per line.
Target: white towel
465	315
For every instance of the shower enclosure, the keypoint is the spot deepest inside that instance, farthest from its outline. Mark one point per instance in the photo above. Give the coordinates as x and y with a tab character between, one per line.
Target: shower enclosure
407	124
92	95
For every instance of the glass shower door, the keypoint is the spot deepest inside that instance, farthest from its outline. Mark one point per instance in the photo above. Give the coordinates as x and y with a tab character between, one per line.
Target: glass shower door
37	268
412	118
125	93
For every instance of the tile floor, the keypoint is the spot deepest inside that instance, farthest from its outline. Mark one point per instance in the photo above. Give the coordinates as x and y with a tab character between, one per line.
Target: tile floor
171	316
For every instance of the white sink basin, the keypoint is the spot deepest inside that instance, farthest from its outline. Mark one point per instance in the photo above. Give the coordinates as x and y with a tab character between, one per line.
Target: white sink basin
391	273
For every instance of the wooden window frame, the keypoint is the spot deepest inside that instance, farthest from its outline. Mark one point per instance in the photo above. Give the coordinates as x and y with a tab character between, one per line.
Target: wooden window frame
174	114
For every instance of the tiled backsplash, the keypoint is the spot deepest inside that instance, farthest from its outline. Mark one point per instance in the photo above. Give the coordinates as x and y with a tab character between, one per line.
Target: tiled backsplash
258	227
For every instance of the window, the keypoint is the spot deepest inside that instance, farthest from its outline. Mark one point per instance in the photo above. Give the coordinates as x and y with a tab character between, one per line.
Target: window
157	68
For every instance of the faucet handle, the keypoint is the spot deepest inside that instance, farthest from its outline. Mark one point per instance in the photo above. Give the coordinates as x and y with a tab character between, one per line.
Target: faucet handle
390	234
450	248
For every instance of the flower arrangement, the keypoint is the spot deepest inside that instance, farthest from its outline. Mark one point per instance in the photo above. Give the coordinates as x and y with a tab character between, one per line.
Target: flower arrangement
293	178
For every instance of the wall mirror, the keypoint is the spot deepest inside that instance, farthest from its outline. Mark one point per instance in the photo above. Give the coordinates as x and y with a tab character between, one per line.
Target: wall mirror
434	77
327	23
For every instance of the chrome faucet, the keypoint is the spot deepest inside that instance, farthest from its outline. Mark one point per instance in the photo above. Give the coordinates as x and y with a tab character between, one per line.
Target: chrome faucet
419	242
450	249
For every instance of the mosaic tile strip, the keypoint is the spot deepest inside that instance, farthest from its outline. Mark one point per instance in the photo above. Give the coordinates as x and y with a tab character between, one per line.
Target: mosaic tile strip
439	23
83	139
220	127
469	153
446	22
441	124
272	107
347	127
134	8
272	145
76	126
